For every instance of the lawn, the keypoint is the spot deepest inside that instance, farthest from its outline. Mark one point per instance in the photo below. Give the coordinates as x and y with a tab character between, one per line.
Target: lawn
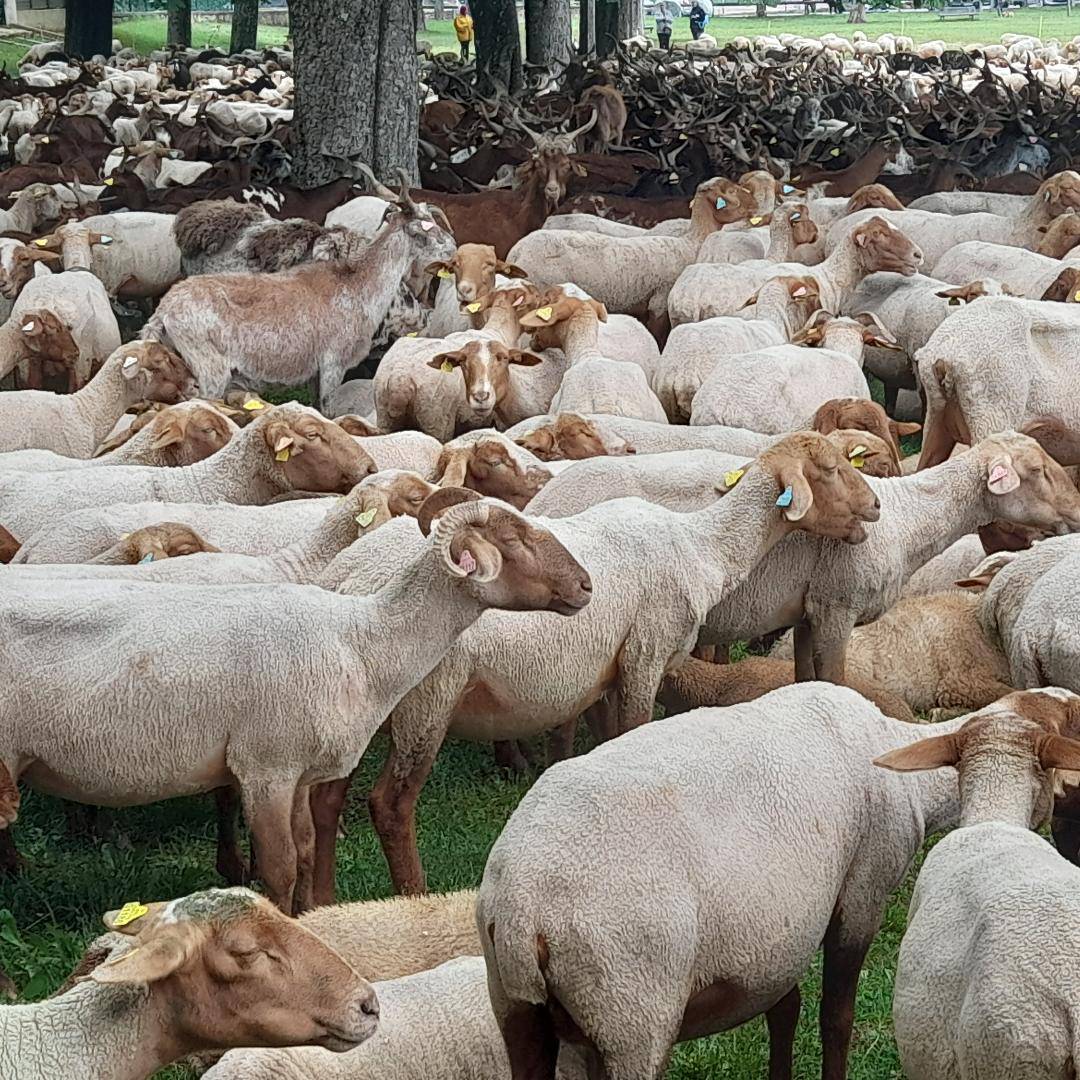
53	908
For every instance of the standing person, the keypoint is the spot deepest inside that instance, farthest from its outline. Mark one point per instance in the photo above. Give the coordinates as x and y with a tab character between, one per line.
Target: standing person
663	26
698	19
463	27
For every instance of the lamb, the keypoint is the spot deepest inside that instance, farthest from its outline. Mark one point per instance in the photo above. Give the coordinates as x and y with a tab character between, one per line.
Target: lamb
76	301
1007	476
991	896
772	389
290	448
631	275
697	684
320	316
165	998
558	941
593	383
340	685
993	365
178	435
471	274
655	575
75	424
706	290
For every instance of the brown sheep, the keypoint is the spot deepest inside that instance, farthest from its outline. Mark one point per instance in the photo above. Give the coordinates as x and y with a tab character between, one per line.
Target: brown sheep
864	415
570	437
166	540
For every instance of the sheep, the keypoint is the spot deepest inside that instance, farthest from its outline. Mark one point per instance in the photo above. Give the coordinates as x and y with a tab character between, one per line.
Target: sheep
706	290
572	437
824	595
993	365
492	464
32	208
593	382
320	316
411	450
290	448
178	435
479	555
165	998
75	424
82	323
697	684
1024	273
354	397
770	390
632	275
990	897
167	540
471	274
655	573
839	414
783	306
692	913
789	227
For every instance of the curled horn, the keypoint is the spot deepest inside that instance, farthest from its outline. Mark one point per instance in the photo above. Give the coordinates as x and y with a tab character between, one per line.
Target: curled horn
440	500
446	527
405	199
377	185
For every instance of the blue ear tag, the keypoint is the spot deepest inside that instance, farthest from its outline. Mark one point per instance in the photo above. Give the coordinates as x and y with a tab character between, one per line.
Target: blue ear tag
721	202
785	497
148	557
788	189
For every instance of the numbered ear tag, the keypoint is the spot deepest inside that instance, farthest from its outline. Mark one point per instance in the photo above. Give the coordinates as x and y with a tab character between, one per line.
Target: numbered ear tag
543	313
444	274
721	202
148	557
467	562
473	308
788	189
253	406
446	367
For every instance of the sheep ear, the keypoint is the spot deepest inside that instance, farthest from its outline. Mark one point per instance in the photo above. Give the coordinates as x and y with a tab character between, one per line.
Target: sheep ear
1001	477
446	361
478	558
526	359
279	437
902	428
796	496
1057	752
601	311
132	919
932	753
509	270
172	434
167	950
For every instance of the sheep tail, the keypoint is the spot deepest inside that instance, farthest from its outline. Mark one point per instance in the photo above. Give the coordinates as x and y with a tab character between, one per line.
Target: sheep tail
521	958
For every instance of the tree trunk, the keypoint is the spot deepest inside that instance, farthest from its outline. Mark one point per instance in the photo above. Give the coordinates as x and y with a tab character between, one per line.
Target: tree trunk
498	45
548	34
760	10
586	19
356	87
88	28
421	19
607	26
631	19
179	29
245	25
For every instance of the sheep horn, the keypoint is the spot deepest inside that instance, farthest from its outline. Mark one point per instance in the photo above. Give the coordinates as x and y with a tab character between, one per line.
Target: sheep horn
587	126
377	185
404	198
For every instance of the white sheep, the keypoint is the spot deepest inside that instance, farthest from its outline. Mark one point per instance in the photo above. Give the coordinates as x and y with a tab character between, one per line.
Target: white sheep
1025	273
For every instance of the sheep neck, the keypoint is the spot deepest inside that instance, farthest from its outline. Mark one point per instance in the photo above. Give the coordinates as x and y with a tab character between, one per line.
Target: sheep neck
240	472
503	324
424	595
844	339
996	787
77	254
776	308
581	336
111	1032
930	510
780	247
838	277
101	402
306	559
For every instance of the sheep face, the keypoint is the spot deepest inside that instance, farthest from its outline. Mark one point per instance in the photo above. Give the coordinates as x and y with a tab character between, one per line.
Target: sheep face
1059	194
312	453
827	496
573	438
873	197
1065	288
508	561
166	540
236	972
8	546
485	366
154	373
22	264
1005	753
881	247
190	433
475	267
46	337
723	202
1060	236
404	492
803	229
489	467
867	453
1026	486
868	416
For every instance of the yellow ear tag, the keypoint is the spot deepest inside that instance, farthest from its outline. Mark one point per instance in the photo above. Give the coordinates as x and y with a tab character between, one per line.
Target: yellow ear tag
444	274
45	139
124	536
857	462
282	455
42	241
129	913
446	367
543	313
857	451
366	518
756	220
254	406
835	151
733	477
473	308
411	333
1076	297
108	181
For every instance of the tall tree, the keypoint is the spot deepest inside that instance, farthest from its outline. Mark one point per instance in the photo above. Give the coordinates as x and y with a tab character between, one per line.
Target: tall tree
179	29
548	34
357	86
498	44
88	28
607	26
245	25
631	19
586	21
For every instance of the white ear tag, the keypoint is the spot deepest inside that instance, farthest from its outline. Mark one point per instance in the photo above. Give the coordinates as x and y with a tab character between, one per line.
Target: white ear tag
28	327
427	226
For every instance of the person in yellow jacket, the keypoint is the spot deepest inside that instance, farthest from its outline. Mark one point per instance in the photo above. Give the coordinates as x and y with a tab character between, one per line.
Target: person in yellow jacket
464	29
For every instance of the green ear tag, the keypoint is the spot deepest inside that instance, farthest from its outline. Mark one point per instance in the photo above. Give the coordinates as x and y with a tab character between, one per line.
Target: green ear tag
366	518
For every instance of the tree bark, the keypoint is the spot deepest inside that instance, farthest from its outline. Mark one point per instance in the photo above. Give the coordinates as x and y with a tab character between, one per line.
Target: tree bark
421	19
607	26
631	19
179	28
548	34
498	45
586	20
245	25
357	89
88	28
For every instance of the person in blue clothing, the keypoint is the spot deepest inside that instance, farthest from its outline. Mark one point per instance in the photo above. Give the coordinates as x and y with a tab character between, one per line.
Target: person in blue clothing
698	20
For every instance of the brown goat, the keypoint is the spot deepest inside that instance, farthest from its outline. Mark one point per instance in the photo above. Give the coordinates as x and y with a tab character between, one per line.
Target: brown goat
610	109
845	182
49	350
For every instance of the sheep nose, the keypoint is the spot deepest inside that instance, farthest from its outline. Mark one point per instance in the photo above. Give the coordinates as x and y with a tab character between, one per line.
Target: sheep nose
466	293
481	397
369	1003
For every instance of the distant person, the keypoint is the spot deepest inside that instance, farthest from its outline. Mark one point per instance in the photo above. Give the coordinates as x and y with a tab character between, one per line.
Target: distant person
463	27
698	19
663	26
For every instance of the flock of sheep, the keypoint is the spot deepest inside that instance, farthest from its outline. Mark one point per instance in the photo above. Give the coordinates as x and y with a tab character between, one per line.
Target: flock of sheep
583	467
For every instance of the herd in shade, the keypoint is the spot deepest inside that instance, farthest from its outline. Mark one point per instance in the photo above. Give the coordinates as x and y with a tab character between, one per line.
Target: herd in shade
772	344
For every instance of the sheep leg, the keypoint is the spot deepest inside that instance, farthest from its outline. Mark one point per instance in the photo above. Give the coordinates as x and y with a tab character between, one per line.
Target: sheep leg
392	804
303	834
269	817
509	756
231	864
892	392
830	653
531	1043
602	719
327	803
804	653
10	859
640	674
845	952
561	741
782	1020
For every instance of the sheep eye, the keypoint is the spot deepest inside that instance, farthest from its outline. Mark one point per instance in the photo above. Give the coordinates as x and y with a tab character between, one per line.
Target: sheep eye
312	436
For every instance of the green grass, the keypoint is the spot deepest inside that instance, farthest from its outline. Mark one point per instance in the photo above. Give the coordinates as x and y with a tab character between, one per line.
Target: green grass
53	907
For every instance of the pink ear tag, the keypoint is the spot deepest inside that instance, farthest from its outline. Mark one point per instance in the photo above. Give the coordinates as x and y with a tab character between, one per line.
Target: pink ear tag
467	562
998	472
